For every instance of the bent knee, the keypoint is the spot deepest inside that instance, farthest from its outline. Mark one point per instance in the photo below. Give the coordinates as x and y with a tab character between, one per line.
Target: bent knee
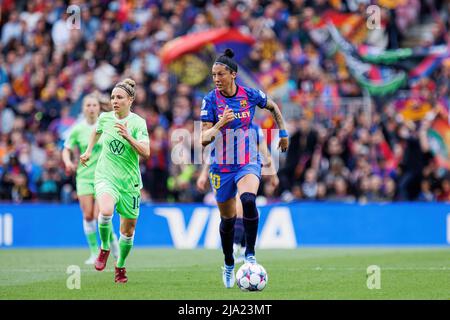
106	209
250	211
248	199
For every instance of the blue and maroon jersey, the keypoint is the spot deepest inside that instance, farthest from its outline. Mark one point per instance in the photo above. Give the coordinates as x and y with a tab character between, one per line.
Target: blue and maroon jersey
238	144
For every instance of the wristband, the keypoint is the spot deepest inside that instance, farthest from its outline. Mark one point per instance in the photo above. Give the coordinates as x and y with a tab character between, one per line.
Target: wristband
283	134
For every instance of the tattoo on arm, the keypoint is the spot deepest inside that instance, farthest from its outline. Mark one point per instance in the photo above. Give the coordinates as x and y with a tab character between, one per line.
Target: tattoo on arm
275	110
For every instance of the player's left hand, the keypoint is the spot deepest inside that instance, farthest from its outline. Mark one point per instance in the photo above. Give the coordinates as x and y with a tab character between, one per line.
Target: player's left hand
283	144
122	130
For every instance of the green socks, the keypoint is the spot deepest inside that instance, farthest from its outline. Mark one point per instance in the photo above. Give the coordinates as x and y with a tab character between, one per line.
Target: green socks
105	230
107	237
125	245
92	241
113	236
90	231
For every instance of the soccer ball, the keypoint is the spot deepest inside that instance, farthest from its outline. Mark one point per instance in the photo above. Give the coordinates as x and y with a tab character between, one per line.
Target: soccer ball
251	277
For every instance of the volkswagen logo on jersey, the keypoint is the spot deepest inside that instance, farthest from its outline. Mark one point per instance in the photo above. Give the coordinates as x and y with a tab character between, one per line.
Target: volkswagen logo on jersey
116	147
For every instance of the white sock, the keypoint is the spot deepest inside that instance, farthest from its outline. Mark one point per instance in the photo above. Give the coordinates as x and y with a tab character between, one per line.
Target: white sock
126	239
104	219
89	226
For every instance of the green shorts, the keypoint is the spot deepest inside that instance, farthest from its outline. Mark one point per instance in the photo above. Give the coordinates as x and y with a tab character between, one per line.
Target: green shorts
126	203
85	187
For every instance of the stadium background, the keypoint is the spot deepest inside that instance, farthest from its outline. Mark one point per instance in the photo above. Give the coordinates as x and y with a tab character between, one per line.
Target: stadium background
368	119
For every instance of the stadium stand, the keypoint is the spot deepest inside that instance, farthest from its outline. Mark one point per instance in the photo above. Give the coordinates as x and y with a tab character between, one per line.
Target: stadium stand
367	138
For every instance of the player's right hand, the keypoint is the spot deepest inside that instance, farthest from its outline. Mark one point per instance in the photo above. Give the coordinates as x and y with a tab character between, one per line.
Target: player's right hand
84	158
227	116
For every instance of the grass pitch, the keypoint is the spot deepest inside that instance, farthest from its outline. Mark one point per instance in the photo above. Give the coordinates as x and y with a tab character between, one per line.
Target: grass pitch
311	273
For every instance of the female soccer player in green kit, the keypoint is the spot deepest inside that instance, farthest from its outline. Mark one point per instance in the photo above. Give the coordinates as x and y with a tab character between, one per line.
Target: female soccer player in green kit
79	138
117	176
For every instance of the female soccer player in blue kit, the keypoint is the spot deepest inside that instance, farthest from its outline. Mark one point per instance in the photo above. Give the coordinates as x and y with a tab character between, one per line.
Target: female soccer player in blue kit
227	114
203	182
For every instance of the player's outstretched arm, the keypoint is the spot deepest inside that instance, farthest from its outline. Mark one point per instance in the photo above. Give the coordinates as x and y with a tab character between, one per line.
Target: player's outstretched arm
92	141
278	117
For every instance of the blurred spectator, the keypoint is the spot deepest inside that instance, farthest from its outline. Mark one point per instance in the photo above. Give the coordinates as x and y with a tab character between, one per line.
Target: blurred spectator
60	32
389	191
310	186
157	166
50	183
444	194
299	154
363	189
20	190
375	189
6	117
12	29
337	170
425	192
415	159
340	191
13	180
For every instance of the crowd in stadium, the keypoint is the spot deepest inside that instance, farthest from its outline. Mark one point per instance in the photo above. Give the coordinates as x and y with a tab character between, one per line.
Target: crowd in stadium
46	69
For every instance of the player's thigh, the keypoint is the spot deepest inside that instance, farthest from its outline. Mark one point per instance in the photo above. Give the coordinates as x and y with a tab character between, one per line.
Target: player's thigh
127	226
106	202
248	183
107	197
87	206
128	205
227	208
223	185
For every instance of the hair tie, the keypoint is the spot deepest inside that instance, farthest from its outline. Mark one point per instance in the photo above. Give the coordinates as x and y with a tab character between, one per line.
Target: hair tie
124	88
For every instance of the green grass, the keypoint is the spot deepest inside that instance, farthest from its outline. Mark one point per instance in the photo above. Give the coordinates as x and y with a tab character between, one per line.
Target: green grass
312	273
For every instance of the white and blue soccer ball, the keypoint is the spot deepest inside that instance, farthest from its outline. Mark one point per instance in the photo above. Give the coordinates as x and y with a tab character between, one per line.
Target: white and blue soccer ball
251	277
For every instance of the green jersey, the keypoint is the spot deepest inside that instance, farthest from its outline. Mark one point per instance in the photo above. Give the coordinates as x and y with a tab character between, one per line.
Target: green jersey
119	161
79	137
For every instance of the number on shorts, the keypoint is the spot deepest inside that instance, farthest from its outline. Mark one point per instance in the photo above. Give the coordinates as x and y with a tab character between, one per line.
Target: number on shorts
136	202
215	180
